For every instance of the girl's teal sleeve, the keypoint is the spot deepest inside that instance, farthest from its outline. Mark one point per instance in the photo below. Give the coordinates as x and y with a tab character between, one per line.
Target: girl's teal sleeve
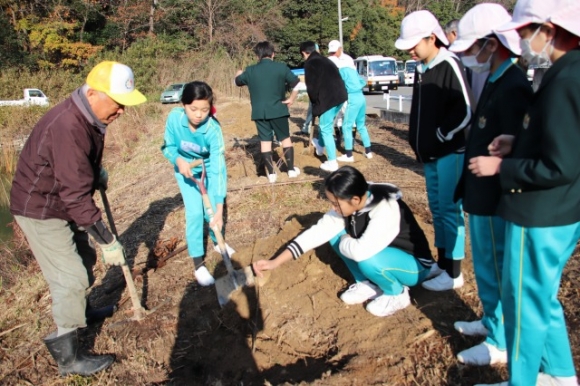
170	147
216	172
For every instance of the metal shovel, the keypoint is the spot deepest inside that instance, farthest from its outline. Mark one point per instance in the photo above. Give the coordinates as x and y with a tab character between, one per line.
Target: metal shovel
235	279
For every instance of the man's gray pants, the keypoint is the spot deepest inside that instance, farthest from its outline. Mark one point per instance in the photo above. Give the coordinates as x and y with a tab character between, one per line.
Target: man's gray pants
66	257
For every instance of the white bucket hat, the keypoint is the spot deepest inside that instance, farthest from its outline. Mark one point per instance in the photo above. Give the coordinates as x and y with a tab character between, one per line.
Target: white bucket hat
416	26
564	13
481	21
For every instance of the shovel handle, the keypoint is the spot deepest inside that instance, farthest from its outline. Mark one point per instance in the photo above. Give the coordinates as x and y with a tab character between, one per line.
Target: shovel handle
218	234
139	311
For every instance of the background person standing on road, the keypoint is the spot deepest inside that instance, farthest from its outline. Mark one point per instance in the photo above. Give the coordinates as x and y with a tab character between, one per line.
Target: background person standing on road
327	93
440	111
504	101
267	82
51	199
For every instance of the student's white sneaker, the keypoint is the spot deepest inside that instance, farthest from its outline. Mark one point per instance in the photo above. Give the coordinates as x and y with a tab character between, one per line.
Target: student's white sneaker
475	328
272	178
294	173
443	282
369	155
230	250
319	149
203	277
345	158
329	166
434	272
360	292
386	305
550	380
482	355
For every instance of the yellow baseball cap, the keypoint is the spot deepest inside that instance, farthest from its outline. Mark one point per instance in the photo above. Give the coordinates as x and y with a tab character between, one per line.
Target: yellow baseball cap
117	81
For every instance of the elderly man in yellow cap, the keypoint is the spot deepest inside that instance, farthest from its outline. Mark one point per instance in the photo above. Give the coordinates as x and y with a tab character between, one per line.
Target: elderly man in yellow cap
57	174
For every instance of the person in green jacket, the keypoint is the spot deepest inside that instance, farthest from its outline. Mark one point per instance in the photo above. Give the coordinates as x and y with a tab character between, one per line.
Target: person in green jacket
268	82
541	196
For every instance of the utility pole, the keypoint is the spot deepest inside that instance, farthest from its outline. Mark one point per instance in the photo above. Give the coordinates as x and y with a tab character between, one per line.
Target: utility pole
339	23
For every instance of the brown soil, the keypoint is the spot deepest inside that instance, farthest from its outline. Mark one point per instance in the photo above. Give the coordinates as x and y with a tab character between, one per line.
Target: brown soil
292	330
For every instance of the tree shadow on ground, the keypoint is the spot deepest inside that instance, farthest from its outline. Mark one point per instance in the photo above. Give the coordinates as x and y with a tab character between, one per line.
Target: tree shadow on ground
111	290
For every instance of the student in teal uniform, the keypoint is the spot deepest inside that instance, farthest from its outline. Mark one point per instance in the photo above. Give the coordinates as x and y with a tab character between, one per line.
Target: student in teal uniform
355	113
541	196
488	51
441	110
192	133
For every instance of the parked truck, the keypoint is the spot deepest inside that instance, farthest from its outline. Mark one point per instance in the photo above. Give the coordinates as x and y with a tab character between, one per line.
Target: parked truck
32	97
379	72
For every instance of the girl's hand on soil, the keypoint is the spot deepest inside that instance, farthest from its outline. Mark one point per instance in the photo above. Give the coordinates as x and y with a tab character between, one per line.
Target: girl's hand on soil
263	265
484	166
183	167
501	145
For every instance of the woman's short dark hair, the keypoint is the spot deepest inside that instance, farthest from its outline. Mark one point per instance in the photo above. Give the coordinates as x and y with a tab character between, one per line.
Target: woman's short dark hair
195	91
264	50
346	183
308	47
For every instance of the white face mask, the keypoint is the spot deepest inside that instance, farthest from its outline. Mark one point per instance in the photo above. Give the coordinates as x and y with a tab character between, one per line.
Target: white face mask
470	61
532	57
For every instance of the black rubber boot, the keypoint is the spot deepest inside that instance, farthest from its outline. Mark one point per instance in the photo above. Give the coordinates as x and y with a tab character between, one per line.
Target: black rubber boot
95	315
71	360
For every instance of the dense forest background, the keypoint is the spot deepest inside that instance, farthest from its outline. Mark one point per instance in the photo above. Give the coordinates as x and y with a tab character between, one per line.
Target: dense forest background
72	35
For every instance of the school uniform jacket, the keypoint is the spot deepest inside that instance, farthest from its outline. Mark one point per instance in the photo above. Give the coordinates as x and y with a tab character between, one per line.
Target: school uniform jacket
541	180
324	85
500	110
206	143
268	82
441	108
384	221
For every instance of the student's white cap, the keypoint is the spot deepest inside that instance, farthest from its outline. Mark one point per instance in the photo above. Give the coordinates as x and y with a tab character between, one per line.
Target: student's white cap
564	13
416	26
333	46
481	21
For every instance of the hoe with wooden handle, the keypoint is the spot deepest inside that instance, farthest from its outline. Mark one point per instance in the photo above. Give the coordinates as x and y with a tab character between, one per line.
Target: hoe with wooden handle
139	312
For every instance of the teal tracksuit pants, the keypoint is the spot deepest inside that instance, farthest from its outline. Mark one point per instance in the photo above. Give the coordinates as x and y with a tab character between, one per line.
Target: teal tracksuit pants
441	177
355	113
326	131
536	334
390	269
195	215
487	235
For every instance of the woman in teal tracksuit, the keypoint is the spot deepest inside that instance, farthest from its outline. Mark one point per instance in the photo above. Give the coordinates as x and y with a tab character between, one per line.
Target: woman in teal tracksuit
541	197
191	133
355	113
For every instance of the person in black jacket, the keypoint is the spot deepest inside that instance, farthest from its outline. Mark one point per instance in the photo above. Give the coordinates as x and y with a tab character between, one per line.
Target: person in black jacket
486	50
327	93
440	111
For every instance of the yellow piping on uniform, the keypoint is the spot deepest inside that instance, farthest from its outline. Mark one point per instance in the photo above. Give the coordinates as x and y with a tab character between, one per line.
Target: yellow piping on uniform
519	314
398	270
497	275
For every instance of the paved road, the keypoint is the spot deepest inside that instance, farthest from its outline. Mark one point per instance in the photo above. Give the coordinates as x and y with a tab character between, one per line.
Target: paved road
376	101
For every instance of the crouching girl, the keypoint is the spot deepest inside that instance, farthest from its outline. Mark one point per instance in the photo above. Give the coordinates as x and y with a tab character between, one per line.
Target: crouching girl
375	233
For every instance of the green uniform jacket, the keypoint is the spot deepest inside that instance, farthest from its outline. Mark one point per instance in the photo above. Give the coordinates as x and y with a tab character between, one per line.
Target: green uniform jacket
541	182
500	110
268	82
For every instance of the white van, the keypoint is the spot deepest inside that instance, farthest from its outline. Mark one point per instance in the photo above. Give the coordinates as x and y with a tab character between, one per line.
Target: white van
410	66
379	72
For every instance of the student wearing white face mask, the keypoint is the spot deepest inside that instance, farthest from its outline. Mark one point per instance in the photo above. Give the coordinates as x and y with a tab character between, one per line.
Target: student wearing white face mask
541	196
488	51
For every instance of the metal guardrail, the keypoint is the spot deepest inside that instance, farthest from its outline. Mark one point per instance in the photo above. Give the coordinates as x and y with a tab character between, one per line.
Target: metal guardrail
400	98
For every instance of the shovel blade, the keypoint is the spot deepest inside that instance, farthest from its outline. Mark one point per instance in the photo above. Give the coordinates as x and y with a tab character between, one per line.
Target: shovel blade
225	286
